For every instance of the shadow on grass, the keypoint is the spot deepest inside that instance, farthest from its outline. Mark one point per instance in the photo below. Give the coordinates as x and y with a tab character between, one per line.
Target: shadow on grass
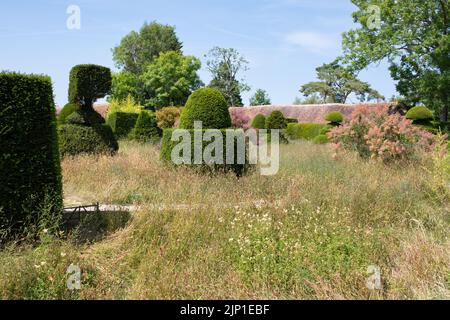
93	226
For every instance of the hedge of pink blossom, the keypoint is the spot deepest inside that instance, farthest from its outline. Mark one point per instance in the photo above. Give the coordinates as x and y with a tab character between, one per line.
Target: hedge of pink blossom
242	117
373	133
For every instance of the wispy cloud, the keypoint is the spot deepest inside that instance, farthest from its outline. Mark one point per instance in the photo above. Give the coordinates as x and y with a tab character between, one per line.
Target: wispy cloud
234	34
312	41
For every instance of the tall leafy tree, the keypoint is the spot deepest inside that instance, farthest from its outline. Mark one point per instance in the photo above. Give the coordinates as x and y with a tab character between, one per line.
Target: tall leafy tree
125	84
260	98
413	36
170	79
138	49
225	66
337	83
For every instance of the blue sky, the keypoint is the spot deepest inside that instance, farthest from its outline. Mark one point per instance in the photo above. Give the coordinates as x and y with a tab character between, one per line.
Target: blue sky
284	40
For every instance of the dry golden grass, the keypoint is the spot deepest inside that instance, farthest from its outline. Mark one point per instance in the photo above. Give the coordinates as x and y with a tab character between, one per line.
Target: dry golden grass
309	232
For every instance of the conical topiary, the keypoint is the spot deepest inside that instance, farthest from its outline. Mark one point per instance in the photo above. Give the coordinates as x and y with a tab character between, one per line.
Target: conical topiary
146	128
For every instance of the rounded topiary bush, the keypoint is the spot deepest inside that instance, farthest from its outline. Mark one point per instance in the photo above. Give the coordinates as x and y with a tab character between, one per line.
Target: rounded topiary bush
334	118
259	122
146	128
321	139
276	120
96	139
209	106
420	114
66	111
85	117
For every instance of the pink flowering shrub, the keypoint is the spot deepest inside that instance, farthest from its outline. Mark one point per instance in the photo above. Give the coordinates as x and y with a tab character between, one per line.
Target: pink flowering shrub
240	118
373	133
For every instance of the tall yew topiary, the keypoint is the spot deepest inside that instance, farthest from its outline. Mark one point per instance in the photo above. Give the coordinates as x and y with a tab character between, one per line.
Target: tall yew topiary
30	172
84	130
87	83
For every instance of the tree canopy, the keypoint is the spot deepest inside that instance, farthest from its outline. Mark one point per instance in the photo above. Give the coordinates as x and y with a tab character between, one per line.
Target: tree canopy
337	83
260	98
170	79
413	36
225	66
138	49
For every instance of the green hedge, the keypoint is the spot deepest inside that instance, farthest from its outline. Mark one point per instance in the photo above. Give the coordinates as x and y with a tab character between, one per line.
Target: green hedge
239	169
307	131
321	139
67	111
97	139
122	123
30	172
87	83
207	105
291	120
146	128
85	117
325	129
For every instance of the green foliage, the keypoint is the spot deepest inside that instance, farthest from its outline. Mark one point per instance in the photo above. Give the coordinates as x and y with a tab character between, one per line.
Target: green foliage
125	84
127	105
276	120
337	83
85	117
146	128
122	123
168	117
420	113
170	79
325	129
225	66
307	131
207	105
311	99
87	83
30	171
67	111
78	139
419	60
335	118
291	120
260	98
239	167
321	139
138	49
259	121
